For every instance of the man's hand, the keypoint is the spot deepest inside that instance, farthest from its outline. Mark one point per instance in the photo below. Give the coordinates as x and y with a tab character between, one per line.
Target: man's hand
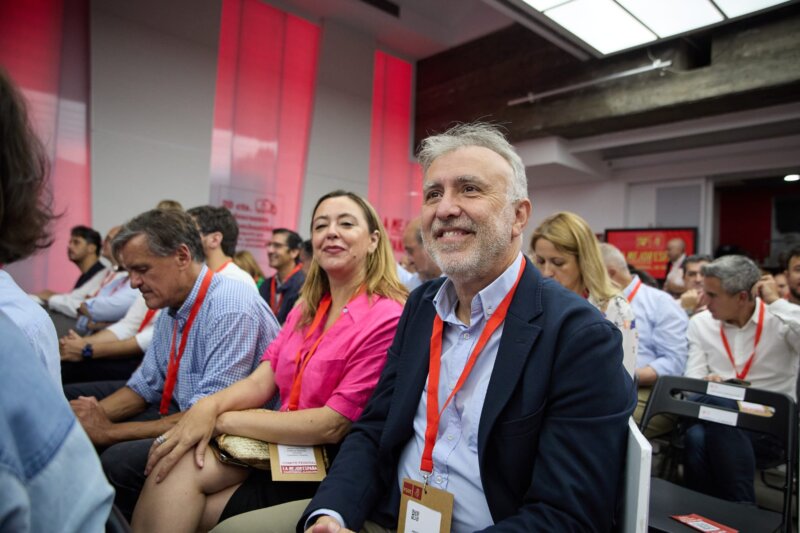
93	419
691	299
45	294
71	347
84	310
327	524
767	289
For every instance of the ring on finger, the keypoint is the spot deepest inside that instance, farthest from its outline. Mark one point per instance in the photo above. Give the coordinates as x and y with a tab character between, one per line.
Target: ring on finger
161	439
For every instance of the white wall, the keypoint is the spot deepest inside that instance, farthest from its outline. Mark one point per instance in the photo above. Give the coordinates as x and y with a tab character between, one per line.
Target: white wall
152	102
338	154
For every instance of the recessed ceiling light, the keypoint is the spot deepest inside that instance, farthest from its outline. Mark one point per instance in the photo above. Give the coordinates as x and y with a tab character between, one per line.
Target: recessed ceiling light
734	8
791	177
602	24
673	17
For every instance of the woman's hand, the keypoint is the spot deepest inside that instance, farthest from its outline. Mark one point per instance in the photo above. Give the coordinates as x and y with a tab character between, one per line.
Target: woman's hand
196	427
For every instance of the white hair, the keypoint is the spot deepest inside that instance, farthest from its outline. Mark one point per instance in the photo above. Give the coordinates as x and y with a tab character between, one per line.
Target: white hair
612	257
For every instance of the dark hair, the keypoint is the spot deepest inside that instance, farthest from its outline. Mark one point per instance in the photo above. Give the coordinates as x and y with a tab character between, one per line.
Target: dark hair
211	219
791	254
293	240
89	235
165	231
308	248
697	258
25	201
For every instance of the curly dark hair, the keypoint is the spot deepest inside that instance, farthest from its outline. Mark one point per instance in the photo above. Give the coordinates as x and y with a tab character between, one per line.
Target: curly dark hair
25	201
211	219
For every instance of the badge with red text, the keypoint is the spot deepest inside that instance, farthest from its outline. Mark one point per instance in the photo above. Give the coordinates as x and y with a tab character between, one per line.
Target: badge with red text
424	509
296	463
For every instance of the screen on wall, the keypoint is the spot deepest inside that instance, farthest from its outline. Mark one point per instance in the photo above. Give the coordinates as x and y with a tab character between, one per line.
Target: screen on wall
646	248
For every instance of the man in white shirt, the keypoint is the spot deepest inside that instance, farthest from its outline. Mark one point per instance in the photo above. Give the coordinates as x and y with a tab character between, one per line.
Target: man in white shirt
724	344
220	233
676	252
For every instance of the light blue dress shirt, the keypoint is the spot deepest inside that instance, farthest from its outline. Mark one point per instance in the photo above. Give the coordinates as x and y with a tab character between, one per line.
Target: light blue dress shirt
661	324
231	331
37	327
111	302
455	453
50	475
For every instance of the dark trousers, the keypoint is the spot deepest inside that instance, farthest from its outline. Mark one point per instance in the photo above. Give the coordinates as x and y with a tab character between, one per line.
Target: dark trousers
123	463
63	323
98	370
721	460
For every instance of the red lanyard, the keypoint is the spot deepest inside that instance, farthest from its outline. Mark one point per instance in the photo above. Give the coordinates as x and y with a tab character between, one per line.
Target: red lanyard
322	312
634	291
175	358
222	266
106	280
148	316
759	328
275	298
433	412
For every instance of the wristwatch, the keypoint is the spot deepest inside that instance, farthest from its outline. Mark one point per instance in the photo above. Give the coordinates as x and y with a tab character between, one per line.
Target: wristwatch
87	351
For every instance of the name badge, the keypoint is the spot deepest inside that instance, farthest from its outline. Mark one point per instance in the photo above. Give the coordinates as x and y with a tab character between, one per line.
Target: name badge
296	463
424	509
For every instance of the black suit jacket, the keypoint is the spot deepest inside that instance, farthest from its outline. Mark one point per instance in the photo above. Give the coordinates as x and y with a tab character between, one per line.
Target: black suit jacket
552	434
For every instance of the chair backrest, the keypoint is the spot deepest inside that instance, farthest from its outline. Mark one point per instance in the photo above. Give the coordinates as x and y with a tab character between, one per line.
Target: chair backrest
635	506
666	399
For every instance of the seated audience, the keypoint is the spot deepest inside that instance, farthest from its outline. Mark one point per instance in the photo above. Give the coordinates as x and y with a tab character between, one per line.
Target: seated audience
219	233
692	298
351	304
112	353
282	290
210	336
83	250
112	300
24	217
750	334
421	267
67	304
245	260
792	271
50	480
534	438
676	252
565	249
662	332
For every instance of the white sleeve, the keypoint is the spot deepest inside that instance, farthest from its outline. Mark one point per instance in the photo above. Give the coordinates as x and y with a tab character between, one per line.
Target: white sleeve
789	315
697	362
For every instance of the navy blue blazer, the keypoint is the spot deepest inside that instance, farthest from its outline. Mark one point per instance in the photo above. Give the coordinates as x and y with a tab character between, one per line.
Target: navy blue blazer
552	434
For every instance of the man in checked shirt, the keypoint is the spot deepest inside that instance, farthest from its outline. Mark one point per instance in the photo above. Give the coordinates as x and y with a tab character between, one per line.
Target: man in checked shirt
212	334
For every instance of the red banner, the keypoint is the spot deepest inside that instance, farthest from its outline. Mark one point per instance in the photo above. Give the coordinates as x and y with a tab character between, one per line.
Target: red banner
646	249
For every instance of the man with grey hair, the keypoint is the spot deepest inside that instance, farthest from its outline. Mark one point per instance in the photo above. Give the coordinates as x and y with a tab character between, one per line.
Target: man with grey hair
212	334
519	373
725	345
661	324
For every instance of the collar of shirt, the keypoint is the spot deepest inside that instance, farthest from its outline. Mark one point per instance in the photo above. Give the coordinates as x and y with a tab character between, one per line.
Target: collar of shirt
631	285
358	307
484	303
182	313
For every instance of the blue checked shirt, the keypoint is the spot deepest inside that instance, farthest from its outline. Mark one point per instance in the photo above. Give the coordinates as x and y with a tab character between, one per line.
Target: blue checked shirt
230	333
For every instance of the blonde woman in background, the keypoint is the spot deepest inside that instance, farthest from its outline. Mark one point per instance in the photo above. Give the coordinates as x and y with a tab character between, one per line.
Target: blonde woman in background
565	249
247	262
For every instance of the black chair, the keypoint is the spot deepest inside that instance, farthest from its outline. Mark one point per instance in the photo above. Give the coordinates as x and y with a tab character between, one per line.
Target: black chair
116	522
667	499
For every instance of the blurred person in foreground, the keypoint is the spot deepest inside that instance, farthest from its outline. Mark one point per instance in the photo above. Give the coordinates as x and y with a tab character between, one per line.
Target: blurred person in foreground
50	478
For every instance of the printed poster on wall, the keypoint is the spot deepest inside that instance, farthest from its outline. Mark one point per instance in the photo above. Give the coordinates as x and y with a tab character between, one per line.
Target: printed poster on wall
646	248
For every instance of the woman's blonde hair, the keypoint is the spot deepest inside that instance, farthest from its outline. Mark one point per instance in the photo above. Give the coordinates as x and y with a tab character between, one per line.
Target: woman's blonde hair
570	234
381	270
245	260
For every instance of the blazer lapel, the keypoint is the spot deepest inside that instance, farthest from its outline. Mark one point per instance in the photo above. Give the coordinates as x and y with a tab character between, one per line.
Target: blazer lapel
515	347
